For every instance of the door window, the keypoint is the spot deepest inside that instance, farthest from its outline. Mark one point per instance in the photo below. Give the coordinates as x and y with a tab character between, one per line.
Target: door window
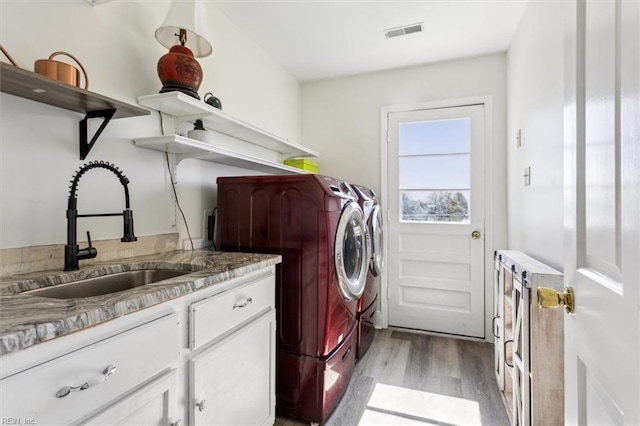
434	170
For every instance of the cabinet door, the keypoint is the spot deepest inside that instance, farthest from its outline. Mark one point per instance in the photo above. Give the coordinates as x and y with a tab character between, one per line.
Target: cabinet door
497	326
153	404
233	382
521	373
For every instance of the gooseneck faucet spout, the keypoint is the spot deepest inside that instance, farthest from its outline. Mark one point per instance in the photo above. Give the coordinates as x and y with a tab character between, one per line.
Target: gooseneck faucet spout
72	251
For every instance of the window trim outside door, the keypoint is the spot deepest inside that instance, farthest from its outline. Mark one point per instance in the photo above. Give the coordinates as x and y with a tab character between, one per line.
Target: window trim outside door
382	319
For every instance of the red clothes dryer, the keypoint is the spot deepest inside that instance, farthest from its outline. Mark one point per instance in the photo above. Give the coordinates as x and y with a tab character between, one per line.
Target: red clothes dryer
317	226
367	304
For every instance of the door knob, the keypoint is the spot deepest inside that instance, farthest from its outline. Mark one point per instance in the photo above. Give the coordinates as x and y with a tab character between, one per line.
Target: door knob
550	298
475	235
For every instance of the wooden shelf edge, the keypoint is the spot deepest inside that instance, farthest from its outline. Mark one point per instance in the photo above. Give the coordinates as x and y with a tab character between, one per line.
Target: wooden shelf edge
29	85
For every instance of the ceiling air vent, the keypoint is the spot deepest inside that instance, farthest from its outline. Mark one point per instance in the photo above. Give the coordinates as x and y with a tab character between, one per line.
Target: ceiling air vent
404	30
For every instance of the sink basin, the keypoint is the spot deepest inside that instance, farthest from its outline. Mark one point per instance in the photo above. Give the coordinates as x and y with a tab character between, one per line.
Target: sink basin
106	284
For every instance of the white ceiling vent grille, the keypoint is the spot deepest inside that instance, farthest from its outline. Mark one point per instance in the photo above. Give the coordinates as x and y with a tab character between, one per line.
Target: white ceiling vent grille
404	30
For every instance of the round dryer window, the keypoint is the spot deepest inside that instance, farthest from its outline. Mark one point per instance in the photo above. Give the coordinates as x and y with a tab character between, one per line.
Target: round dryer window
351	257
377	241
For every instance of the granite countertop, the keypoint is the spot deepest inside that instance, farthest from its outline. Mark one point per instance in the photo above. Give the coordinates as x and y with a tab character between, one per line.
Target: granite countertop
26	320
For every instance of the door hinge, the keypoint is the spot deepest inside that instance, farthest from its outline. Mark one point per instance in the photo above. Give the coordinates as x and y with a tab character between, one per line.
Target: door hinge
387	293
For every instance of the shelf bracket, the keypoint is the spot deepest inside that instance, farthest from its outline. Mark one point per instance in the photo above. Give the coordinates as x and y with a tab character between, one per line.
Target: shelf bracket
85	146
173	161
169	124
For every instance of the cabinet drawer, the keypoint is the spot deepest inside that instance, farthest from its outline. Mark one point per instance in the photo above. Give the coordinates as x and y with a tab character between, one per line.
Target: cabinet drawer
137	354
211	317
152	404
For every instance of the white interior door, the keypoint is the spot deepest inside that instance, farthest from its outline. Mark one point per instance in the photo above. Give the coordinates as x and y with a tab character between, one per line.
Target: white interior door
602	217
435	193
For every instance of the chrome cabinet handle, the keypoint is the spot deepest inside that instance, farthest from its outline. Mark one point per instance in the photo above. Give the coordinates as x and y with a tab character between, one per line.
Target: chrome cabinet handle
493	326
177	423
202	405
89	384
243	305
505	352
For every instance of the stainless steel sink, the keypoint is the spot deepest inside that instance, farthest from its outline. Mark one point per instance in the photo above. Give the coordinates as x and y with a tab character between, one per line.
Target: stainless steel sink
106	284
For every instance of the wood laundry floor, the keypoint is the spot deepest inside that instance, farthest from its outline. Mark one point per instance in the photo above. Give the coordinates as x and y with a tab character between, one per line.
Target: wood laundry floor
417	379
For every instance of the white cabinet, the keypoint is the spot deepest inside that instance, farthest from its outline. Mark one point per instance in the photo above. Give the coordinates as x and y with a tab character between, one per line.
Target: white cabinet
232	382
72	387
152	404
207	357
232	373
248	146
529	355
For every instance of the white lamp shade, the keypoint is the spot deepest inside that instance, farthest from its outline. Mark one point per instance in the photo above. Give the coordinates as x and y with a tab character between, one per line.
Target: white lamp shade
189	15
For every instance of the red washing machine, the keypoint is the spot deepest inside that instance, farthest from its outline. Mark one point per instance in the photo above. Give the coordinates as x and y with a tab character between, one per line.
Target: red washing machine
317	226
367	304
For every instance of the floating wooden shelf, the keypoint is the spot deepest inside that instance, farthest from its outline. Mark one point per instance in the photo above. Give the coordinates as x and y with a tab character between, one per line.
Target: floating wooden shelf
29	85
189	148
36	87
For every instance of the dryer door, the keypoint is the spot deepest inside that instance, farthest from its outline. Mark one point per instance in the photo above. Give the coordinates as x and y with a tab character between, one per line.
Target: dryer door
351	257
377	241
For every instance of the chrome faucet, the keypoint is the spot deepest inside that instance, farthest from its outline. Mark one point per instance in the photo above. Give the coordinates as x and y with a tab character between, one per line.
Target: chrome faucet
72	252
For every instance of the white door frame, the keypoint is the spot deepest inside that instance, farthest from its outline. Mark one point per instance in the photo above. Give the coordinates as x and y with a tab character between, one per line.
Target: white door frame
382	316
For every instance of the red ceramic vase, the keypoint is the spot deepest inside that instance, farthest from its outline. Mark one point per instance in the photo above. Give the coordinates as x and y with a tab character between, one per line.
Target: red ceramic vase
179	70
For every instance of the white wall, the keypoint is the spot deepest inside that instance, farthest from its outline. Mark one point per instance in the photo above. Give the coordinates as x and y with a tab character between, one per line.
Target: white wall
116	44
341	117
535	100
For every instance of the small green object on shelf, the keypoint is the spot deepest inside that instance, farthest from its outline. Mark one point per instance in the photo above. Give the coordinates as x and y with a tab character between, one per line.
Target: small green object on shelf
302	163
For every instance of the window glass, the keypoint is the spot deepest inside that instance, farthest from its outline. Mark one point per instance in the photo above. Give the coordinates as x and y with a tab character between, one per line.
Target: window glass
435	206
426	137
435	171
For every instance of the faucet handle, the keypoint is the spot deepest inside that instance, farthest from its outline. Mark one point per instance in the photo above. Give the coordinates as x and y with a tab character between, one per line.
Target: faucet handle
87	253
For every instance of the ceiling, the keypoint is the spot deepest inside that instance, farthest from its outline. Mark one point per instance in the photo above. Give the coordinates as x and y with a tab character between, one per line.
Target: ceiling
316	39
